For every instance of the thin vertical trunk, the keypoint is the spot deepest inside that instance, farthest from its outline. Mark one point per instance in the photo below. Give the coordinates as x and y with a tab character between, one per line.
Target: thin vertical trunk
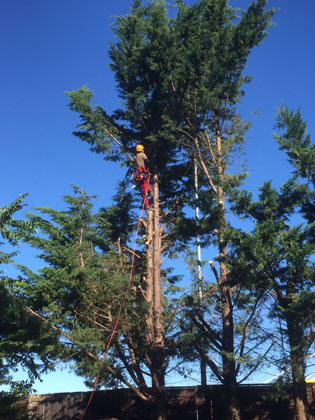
149	279
231	405
158	320
203	365
295	336
154	322
232	410
228	361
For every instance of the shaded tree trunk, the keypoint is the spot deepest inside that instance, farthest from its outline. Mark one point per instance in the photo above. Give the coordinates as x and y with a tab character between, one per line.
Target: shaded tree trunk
231	404
297	353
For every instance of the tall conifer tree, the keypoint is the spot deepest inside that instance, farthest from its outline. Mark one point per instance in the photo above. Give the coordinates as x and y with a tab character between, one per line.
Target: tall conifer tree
276	257
141	62
213	48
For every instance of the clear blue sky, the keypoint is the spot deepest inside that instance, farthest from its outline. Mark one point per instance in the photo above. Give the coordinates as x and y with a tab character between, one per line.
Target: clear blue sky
49	47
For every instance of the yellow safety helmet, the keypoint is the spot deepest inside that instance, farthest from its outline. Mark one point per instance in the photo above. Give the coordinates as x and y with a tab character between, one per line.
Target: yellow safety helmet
139	148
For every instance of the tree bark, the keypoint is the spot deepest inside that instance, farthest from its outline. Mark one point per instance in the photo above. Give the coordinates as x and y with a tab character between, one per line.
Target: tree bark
154	322
229	372
295	336
149	279
232	409
157	238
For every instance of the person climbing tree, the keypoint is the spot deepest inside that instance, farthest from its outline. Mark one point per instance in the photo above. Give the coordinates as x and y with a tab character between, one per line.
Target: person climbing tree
142	174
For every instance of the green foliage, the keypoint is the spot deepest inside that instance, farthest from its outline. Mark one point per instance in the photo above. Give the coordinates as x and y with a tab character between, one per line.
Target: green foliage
296	142
117	221
213	46
178	78
82	286
277	256
281	390
301	154
9	409
23	339
96	128
8	227
25	342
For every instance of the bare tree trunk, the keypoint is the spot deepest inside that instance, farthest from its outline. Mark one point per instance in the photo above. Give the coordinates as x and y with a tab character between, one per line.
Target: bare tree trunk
154	322
149	279
158	318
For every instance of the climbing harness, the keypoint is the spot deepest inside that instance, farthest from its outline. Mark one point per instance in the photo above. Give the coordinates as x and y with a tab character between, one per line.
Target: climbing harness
142	176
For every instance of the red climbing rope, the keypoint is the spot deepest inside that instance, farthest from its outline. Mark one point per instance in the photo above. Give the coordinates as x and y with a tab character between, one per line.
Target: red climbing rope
121	306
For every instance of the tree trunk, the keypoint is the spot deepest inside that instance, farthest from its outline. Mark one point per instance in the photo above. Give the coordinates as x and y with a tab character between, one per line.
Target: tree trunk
232	410
159	406
154	322
149	279
157	238
231	406
231	402
297	352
